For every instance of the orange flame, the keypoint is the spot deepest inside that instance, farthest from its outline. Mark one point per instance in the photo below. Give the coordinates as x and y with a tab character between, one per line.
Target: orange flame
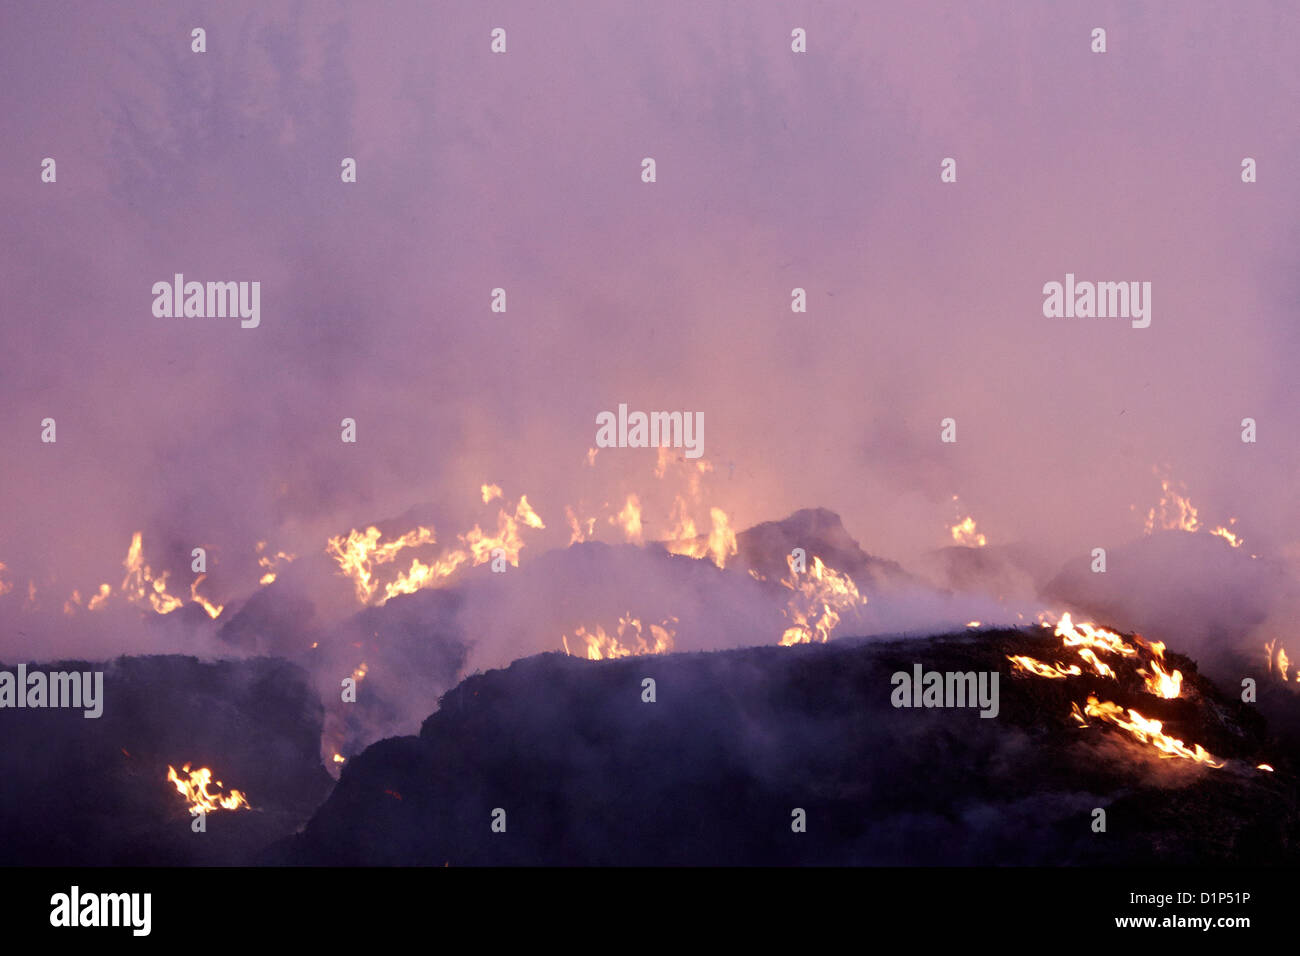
1086	635
141	585
629	519
213	609
821	594
628	641
195	791
269	563
1023	664
1144	730
1162	683
1175	511
964	533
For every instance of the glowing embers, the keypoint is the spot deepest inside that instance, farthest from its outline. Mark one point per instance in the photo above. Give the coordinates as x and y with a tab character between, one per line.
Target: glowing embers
194	788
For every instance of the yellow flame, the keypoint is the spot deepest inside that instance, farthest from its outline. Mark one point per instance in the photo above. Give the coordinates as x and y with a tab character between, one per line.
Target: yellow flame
213	609
577	533
195	790
359	553
628	641
629	519
1143	729
1085	635
490	492
821	594
717	546
964	533
1102	669
141	585
1228	536
1162	683
1175	511
269	563
1023	664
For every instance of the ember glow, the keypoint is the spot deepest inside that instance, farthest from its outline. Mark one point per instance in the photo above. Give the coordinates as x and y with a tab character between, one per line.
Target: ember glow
194	788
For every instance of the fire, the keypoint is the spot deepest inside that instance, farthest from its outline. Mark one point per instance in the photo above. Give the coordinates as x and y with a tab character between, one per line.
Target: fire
718	545
481	545
577	532
270	563
4	588
1162	683
1175	511
98	600
140	584
1274	650
964	533
1102	669
360	551
821	594
201	800
1228	536
628	641
1088	636
213	609
1142	729
629	519
339	758
1023	664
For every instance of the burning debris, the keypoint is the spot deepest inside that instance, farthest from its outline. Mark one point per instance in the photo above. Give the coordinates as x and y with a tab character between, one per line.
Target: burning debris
1087	640
194	788
738	738
822	594
627	641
